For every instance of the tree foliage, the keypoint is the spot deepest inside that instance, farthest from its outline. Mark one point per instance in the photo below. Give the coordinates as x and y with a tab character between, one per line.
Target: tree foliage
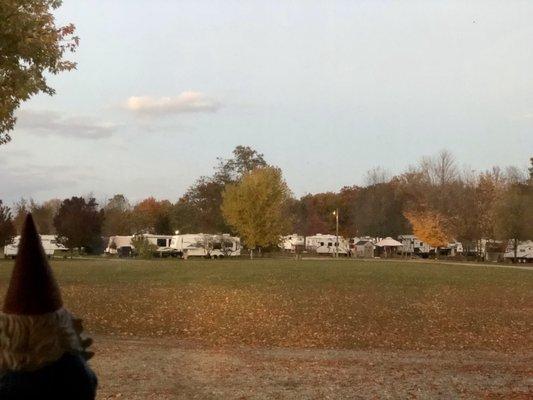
143	248
514	214
31	46
255	206
7	228
43	214
430	227
198	210
117	216
79	221
433	199
152	216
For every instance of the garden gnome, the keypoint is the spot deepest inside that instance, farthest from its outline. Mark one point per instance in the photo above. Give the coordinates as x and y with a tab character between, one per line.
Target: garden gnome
42	354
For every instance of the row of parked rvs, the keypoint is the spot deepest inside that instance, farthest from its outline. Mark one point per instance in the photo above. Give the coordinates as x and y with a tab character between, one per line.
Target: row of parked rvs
369	247
225	245
183	246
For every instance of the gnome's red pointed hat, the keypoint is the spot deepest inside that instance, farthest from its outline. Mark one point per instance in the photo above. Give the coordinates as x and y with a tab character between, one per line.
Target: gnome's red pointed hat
35	329
33	289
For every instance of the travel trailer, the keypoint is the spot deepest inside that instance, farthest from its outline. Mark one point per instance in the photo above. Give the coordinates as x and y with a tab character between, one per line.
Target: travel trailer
120	246
524	252
326	244
290	243
50	244
205	245
161	242
414	246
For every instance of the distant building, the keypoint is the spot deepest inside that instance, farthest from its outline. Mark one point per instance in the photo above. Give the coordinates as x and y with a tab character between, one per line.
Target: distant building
363	249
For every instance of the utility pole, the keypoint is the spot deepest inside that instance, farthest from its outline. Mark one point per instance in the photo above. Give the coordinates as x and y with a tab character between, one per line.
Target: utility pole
336	213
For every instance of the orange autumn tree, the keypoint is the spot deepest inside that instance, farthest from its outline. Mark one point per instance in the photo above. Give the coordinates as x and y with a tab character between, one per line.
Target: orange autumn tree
430	227
152	216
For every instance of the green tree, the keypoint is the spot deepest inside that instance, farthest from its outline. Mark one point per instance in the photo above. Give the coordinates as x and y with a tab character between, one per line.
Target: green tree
514	216
143	248
202	201
31	46
117	216
7	228
43	214
255	207
245	159
80	222
21	209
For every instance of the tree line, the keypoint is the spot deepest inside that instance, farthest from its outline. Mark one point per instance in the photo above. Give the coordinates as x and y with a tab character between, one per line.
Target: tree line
434	199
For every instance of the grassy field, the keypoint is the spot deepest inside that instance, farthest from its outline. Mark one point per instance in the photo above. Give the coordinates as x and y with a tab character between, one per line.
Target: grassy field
312	329
324	304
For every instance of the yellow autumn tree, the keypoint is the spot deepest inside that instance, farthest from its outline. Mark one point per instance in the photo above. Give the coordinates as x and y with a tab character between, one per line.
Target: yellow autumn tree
255	206
430	227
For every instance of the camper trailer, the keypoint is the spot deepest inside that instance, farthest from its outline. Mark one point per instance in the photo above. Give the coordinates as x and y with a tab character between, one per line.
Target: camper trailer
205	245
524	252
161	242
327	244
120	246
413	246
291	243
50	245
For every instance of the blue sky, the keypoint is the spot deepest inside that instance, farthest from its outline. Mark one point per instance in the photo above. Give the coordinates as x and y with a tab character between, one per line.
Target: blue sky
326	90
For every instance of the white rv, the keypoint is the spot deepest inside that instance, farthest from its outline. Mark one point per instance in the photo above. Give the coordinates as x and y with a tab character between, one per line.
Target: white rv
49	242
414	246
289	243
524	252
206	245
327	244
120	245
161	242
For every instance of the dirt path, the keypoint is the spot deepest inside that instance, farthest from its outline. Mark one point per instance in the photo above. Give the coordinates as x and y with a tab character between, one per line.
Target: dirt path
168	369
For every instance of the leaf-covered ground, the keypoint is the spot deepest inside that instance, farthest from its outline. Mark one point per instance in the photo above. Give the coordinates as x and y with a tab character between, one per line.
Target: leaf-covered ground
302	304
165	369
316	329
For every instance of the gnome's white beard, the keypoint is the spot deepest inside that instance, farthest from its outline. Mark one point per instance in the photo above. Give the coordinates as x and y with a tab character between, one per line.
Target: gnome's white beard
29	342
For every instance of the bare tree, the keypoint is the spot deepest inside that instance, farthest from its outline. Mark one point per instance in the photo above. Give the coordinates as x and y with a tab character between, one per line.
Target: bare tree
444	168
376	176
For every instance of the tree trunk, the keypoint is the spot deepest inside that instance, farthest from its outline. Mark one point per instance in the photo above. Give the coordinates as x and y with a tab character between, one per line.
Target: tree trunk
515	246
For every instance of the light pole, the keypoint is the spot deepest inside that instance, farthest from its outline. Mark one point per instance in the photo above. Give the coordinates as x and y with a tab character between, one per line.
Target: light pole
336	213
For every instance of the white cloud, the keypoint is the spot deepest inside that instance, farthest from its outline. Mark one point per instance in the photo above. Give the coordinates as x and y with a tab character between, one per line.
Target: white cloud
51	123
185	102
